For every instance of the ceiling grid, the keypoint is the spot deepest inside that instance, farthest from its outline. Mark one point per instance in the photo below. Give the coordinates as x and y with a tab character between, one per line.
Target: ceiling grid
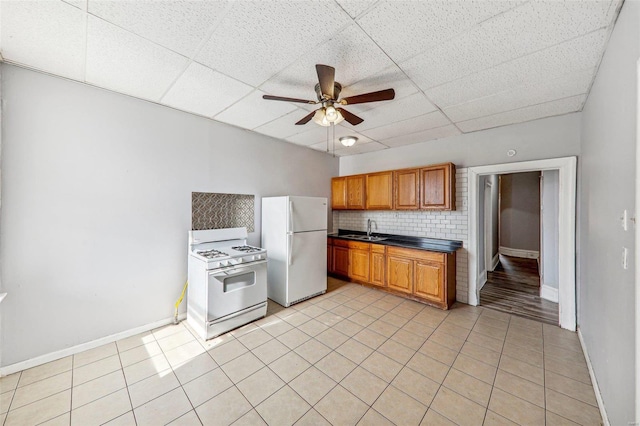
456	66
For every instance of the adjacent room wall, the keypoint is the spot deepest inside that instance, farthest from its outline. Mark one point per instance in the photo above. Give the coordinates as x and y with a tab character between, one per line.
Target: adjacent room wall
495	214
520	211
96	207
607	187
550	233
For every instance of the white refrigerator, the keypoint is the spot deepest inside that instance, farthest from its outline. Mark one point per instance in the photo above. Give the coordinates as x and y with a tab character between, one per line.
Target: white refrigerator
294	232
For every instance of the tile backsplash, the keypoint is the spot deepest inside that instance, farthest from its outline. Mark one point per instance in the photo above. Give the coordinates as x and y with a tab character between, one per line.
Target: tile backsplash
451	225
216	211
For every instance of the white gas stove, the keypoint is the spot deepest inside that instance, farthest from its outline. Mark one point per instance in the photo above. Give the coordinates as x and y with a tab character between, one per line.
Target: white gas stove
227	281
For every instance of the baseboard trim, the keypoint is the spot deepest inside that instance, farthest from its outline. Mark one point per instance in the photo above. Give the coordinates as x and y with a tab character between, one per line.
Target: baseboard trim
527	254
495	261
594	382
482	280
549	293
52	356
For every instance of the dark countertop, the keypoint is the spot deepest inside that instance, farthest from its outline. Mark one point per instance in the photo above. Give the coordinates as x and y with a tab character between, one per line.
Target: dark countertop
420	243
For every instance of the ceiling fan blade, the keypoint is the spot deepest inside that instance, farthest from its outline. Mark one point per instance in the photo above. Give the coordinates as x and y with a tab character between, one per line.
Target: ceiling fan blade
282	98
353	119
326	77
381	95
306	118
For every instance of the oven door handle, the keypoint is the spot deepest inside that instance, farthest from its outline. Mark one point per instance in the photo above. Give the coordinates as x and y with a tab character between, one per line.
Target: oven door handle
236	269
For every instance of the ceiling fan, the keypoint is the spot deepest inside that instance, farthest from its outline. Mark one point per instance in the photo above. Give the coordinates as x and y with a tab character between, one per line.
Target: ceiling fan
328	90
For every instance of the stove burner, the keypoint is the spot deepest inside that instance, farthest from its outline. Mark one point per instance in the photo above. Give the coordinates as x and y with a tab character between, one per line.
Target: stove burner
212	254
246	249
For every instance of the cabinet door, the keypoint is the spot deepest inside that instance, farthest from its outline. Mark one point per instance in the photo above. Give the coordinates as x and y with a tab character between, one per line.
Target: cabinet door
429	280
379	189
340	261
339	193
406	189
400	274
437	187
359	264
355	192
376	275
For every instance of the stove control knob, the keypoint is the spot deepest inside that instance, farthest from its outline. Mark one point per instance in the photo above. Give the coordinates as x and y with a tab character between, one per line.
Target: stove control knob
240	260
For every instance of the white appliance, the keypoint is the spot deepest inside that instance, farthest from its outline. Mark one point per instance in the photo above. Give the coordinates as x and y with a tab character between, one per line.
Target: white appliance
294	232
227	281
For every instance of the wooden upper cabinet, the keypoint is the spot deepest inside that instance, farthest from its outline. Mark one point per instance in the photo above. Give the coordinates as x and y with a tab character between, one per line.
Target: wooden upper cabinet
339	193
379	191
406	189
356	192
437	187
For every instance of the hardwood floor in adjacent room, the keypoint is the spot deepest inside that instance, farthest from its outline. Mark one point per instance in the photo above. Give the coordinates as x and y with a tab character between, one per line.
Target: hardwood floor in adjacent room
514	288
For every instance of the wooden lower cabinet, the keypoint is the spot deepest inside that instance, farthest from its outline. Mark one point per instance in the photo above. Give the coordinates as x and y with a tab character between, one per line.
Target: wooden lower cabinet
377	274
400	274
359	264
418	274
429	280
340	261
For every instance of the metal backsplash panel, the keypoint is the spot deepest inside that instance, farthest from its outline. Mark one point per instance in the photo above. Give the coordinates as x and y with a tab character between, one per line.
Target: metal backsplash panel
217	211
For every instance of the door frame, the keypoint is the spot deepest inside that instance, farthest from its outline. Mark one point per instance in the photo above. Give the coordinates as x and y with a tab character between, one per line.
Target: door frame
566	167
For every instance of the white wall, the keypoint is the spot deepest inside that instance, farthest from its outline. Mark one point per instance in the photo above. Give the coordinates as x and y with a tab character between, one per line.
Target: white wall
535	140
520	211
495	216
549	231
607	187
96	190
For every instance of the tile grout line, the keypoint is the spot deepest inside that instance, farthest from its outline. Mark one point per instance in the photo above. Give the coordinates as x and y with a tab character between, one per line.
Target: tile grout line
493	385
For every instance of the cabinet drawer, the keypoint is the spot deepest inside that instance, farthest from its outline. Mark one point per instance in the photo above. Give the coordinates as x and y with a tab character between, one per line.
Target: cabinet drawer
359	246
340	243
416	254
377	248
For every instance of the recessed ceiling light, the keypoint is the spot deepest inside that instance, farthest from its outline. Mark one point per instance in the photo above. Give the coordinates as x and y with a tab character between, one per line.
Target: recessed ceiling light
348	140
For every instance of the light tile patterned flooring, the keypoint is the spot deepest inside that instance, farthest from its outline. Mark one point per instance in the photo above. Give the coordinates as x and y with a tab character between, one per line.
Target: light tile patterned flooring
353	356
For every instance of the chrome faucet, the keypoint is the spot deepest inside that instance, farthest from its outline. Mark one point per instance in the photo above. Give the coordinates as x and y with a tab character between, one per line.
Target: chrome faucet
369	222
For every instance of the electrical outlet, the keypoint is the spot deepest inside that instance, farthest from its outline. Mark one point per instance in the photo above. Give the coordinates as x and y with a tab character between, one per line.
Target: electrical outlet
625	255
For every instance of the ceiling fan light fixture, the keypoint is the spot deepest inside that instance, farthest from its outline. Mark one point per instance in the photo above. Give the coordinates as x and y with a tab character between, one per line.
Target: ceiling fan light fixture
348	140
331	113
323	117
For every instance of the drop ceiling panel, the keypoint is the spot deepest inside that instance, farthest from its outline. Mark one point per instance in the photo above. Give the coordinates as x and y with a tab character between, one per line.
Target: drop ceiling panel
178	25
518	32
389	78
423	136
204	91
49	36
356	7
532	94
284	126
257	39
575	55
406	28
358	148
558	107
253	111
317	134
80	4
120	61
412	125
351	53
389	112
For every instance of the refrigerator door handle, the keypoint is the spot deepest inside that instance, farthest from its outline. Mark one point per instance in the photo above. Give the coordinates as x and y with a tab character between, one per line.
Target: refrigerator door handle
290	216
289	252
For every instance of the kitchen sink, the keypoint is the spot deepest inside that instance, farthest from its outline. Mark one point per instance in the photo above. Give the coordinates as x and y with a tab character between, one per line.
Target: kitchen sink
363	237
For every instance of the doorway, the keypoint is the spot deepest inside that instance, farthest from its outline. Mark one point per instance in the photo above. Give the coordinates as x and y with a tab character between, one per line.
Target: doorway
520	229
566	168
